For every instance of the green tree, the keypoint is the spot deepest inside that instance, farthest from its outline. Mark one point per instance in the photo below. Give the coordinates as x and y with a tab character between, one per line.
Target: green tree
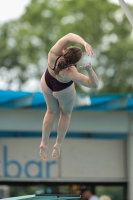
114	192
24	43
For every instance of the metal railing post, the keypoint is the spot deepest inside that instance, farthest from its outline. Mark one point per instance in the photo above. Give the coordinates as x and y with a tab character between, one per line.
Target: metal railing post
126	11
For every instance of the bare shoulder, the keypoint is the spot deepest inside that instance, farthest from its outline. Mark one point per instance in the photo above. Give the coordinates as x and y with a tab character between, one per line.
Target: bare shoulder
78	77
52	58
72	72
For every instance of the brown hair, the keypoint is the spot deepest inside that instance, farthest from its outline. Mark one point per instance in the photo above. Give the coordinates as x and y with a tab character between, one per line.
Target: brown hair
71	56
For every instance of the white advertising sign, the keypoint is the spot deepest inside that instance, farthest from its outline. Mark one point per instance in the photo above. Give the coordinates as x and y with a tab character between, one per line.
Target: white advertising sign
81	159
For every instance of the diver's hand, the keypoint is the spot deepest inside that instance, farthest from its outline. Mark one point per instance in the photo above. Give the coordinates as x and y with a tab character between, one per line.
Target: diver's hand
86	67
88	49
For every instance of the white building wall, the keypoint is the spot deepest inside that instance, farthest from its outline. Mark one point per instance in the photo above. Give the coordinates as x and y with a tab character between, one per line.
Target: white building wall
81	121
82	159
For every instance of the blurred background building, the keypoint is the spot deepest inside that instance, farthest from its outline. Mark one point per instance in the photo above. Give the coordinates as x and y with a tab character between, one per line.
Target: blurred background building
97	150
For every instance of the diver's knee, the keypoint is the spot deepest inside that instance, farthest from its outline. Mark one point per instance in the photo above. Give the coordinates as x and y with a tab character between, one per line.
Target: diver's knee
66	114
52	111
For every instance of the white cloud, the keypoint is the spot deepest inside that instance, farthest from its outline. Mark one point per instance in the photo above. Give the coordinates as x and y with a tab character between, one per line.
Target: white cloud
11	9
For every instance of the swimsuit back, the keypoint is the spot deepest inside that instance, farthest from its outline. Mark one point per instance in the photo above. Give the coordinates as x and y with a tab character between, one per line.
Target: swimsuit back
53	83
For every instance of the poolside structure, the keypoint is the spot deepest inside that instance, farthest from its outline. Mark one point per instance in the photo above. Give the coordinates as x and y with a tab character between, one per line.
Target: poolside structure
46	197
101	124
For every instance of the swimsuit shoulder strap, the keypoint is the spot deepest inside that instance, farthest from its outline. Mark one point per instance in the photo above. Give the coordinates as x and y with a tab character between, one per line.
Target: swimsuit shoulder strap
56	62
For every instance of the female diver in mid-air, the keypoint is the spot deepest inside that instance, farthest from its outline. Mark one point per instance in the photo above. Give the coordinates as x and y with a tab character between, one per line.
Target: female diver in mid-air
58	88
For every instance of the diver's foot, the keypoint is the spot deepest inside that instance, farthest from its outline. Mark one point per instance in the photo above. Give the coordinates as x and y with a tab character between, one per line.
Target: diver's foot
43	151
56	151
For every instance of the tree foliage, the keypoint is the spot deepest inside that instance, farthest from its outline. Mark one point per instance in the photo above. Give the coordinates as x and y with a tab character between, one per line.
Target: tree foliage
24	43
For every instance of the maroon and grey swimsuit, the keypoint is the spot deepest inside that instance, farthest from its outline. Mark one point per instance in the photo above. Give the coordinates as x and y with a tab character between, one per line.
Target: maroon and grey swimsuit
53	83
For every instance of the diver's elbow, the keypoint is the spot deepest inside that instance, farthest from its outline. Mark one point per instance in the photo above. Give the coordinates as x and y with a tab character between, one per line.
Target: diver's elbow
95	85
